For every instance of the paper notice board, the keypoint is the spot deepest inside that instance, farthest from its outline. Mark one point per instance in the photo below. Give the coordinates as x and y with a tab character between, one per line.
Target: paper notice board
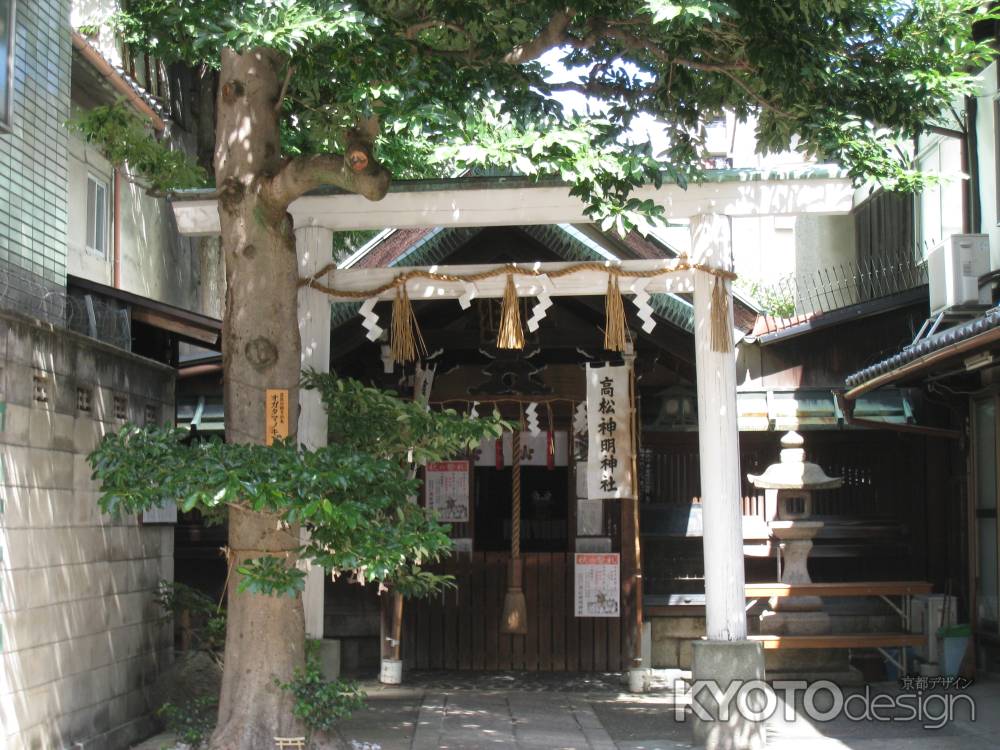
598	584
447	487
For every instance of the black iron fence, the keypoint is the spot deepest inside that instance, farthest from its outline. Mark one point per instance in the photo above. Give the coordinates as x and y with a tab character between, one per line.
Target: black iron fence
797	298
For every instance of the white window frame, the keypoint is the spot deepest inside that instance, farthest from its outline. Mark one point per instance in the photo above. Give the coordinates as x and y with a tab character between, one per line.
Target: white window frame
7	110
100	184
932	150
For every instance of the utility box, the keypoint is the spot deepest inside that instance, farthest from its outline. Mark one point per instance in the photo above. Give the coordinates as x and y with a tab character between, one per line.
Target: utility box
953	270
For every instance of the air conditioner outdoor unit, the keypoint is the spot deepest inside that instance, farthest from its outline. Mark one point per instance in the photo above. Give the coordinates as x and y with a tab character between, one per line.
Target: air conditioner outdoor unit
953	270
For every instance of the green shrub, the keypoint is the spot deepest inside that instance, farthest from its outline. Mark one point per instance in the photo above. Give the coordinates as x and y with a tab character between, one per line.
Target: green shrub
192	721
321	703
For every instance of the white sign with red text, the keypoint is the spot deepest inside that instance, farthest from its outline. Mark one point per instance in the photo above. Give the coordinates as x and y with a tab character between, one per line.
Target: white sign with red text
598	584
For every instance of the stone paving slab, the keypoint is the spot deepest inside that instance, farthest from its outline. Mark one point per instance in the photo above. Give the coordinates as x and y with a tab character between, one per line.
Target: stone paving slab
528	721
415	717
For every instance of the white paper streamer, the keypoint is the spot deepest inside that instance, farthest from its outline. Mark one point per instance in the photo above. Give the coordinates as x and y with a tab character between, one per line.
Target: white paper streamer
370	319
470	293
473	413
531	414
642	306
543	304
580	418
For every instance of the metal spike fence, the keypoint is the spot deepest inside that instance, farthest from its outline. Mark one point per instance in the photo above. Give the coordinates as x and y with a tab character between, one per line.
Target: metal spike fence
796	298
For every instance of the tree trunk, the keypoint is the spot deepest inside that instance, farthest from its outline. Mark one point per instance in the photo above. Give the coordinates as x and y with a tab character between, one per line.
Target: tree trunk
265	635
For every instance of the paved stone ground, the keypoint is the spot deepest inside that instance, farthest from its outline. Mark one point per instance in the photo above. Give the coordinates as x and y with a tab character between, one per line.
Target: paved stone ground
647	723
481	712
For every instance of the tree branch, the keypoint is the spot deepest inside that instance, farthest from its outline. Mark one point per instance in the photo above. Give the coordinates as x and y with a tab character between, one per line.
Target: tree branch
284	87
358	173
553	35
412	32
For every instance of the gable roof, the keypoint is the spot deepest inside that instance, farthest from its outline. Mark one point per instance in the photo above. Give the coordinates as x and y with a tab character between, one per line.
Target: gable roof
571	242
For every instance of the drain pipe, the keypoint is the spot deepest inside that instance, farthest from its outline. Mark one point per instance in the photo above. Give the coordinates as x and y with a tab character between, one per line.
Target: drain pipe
847	408
117	229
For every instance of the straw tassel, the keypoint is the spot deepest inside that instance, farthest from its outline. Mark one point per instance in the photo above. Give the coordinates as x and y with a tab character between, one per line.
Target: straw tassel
614	317
406	340
722	335
510	336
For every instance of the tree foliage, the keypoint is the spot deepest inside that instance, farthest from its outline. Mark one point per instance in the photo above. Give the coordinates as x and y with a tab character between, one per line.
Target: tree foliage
455	85
354	495
125	139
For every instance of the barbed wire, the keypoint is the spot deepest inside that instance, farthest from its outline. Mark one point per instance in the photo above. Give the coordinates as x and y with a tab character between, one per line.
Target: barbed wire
29	294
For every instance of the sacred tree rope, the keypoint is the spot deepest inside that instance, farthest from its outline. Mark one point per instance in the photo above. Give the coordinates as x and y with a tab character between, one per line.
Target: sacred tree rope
407	343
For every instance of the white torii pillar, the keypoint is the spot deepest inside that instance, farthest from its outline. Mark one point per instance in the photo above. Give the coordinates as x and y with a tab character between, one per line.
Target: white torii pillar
314	247
726	655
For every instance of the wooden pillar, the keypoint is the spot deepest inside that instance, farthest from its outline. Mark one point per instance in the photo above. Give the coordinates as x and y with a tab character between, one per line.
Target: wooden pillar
314	247
631	560
718	441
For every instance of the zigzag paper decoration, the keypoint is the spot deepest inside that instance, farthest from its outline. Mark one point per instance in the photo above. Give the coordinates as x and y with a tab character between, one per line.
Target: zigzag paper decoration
470	293
543	304
580	418
642	306
370	319
531	413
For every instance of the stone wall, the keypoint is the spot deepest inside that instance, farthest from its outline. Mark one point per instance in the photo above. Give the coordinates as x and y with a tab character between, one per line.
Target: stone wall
82	637
672	638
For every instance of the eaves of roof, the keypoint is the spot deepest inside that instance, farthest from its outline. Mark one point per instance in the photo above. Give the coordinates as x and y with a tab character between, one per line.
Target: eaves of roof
709	176
965	338
122	82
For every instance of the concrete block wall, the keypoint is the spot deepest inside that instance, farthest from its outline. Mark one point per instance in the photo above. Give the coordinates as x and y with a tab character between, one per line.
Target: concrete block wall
82	636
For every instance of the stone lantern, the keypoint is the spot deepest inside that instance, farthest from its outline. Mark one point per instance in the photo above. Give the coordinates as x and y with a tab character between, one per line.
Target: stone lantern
790	484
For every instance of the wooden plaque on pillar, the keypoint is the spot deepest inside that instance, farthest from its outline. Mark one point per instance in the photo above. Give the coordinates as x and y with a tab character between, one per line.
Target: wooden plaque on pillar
276	415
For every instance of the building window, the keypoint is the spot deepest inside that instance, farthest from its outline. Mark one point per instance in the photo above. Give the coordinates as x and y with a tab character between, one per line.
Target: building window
97	215
6	63
941	210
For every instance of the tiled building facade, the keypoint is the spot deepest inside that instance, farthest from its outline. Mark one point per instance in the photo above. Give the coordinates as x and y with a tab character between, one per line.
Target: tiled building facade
33	163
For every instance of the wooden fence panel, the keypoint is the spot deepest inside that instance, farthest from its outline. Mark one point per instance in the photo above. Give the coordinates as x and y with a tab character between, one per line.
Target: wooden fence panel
461	629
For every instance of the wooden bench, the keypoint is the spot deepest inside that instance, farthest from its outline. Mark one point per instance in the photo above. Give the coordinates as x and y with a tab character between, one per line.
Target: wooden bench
862	588
880	641
660	606
840	640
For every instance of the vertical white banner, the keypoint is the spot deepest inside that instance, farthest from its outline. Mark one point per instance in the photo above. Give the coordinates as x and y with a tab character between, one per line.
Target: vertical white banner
609	427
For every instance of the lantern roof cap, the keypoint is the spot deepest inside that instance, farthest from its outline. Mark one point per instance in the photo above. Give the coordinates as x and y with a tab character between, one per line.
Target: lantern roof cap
793	472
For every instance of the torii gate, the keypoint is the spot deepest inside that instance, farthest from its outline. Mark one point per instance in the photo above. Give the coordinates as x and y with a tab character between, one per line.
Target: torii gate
708	205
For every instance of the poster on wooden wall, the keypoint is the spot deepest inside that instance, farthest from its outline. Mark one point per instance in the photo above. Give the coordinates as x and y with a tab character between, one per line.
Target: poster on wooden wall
598	584
609	426
447	486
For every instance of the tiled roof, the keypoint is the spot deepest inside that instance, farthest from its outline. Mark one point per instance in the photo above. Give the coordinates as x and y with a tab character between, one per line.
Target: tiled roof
927	346
148	98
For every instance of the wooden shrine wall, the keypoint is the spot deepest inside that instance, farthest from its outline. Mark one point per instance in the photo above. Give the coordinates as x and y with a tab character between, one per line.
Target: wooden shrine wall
461	628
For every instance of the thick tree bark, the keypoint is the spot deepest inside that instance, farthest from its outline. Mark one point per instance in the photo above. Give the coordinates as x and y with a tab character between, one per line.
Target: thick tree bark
265	635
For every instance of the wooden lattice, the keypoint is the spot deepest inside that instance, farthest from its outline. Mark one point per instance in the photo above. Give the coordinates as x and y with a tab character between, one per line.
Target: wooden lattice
290	743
